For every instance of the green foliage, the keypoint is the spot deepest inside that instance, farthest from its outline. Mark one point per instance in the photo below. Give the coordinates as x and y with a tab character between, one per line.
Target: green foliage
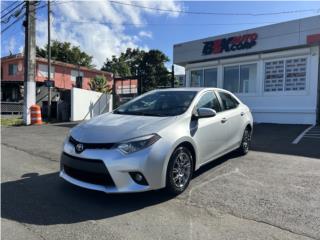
150	66
65	52
99	84
14	121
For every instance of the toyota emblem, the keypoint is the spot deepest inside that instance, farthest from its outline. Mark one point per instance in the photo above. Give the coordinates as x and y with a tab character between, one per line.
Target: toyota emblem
79	147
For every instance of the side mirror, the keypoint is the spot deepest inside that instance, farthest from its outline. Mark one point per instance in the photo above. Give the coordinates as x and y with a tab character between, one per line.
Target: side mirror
205	113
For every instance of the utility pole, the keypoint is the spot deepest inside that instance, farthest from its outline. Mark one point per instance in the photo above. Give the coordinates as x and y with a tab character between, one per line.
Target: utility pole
172	76
29	61
49	64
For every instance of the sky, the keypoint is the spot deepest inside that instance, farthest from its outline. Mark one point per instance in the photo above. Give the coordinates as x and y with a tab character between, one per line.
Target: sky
106	28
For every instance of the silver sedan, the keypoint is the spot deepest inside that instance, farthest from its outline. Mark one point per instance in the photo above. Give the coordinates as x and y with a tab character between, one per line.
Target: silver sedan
156	140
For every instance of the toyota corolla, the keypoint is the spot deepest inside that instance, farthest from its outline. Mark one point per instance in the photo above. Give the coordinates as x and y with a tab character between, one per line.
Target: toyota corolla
156	140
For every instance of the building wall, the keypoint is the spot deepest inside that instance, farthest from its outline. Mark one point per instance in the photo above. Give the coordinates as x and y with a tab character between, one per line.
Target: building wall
5	70
274	107
62	73
269	38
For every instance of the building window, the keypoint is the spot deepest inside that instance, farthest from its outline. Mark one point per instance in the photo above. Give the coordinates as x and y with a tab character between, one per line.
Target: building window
75	74
240	78
296	70
248	77
210	77
13	69
181	81
204	78
285	75
43	71
196	78
231	78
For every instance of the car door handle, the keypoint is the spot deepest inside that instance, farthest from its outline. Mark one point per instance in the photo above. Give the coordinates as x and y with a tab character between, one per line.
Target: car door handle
223	120
242	113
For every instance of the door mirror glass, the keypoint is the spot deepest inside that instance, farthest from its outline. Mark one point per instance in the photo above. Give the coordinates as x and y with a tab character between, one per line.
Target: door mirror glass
205	113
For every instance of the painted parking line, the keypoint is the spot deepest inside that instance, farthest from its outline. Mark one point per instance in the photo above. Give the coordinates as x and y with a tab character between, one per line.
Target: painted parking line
313	133
297	140
316	137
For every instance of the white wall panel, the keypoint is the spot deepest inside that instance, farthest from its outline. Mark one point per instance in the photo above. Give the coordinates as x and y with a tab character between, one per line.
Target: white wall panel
86	104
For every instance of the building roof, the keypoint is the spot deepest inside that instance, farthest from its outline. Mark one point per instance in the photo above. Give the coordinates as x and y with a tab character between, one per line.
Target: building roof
55	62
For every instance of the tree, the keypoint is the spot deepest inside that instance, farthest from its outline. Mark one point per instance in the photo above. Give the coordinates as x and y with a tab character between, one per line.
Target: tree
149	66
66	52
99	84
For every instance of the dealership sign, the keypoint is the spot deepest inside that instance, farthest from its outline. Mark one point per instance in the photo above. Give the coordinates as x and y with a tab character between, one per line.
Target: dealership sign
234	43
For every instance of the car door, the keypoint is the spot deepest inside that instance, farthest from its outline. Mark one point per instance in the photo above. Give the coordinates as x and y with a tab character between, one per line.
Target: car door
232	119
210	132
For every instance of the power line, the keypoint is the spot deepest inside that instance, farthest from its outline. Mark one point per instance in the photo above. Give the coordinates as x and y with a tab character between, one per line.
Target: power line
214	13
199	12
55	3
14	22
15	8
165	24
16	14
3	10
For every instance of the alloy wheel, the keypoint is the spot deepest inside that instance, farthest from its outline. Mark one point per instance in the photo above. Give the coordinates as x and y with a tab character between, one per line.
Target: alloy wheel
246	140
181	171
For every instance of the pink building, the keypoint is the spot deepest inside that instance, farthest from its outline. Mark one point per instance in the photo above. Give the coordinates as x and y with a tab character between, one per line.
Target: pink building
63	74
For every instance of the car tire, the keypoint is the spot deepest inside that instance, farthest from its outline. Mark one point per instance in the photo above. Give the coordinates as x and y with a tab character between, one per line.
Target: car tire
179	171
245	142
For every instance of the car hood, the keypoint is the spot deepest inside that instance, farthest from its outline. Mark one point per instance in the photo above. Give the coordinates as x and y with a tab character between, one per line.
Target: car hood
112	128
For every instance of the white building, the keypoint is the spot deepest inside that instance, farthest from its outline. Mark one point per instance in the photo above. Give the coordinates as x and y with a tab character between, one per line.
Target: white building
273	69
180	78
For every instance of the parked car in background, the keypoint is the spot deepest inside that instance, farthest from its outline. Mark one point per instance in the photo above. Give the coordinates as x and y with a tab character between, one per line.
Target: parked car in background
156	140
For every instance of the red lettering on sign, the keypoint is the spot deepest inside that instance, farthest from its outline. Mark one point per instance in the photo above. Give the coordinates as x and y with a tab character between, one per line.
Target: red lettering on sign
216	47
314	38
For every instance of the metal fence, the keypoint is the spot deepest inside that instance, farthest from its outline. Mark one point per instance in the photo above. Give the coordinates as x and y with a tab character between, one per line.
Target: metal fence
11	108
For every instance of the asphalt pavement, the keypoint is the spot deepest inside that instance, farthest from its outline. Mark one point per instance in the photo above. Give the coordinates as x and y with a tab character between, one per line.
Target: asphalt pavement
271	193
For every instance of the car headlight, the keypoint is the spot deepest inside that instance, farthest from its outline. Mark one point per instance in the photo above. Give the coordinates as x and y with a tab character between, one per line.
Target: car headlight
136	144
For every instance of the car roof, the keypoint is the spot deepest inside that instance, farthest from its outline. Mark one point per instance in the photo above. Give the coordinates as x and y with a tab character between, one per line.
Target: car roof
191	89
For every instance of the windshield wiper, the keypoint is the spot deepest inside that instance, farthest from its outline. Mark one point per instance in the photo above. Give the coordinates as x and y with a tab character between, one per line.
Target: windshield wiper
153	114
141	114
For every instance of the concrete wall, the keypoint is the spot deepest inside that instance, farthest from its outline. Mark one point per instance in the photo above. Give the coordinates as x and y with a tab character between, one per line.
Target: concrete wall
86	104
277	36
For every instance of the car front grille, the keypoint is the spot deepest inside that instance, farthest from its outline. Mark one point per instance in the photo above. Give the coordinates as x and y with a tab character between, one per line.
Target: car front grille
91	145
87	170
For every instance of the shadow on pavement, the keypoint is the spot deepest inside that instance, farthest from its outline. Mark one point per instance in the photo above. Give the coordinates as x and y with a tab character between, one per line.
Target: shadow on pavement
47	199
278	138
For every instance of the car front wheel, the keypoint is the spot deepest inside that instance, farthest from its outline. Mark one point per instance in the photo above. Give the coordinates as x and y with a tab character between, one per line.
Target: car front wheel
180	170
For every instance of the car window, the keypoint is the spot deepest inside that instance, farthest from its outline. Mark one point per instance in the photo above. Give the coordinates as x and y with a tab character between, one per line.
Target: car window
209	100
228	102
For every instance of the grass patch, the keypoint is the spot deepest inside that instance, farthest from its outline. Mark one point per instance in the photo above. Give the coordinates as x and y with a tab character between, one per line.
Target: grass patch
11	121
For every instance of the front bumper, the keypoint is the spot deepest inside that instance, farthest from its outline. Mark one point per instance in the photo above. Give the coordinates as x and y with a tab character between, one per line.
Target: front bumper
108	170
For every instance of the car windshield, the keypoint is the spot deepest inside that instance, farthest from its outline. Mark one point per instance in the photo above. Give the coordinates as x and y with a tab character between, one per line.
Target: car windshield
158	103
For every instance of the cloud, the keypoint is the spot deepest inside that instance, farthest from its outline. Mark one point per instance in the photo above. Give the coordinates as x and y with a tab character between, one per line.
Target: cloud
145	34
100	27
21	49
12	45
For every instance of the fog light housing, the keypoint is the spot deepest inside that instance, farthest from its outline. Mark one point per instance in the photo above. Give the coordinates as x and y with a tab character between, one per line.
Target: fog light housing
138	178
